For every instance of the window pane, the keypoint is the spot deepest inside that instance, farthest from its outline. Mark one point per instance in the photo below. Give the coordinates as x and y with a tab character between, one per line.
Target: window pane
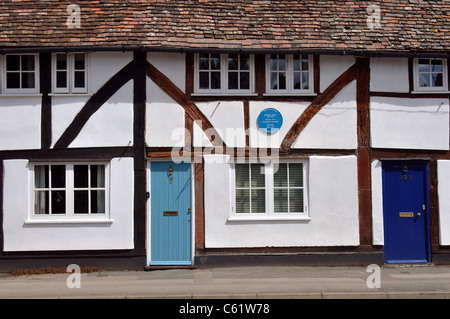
61	62
245	62
61	79
13	80
28	80
242	175
81	202
273	80
305	63
305	80
424	80
233	80
79	61
41	176
215	61
281	62
296	200
58	179
233	62
203	60
41	202
280	177
297	84
242	201
79	79
280	200
282	80
81	176
296	62
258	201
13	63
273	62
244	80
295	175
257	175
215	80
436	65
204	80
97	175
27	62
98	202
437	79
58	202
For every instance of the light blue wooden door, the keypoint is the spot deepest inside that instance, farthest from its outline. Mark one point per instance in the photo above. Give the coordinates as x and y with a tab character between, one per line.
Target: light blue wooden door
170	213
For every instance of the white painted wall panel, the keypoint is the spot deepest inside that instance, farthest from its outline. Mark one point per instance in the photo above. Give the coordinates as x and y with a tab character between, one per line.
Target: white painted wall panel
172	65
333	206
389	75
103	65
112	124
334	127
443	167
165	121
408	123
20	123
331	67
20	236
377	204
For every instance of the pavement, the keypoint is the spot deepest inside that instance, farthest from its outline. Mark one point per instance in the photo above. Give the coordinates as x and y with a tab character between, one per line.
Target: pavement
264	282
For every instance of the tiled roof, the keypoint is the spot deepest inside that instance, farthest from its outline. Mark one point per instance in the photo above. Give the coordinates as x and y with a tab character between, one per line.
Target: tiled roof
404	25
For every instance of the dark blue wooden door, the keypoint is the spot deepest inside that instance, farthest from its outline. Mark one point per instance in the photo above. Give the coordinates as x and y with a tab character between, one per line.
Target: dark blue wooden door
170	213
405	209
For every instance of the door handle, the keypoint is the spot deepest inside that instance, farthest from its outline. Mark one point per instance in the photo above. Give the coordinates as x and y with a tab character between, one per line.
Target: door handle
417	215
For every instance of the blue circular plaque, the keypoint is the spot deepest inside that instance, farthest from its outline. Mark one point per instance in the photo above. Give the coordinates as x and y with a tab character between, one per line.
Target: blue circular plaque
270	120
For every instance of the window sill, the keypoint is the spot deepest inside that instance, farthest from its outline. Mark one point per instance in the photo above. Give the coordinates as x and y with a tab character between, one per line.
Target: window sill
223	94
290	94
67	221
430	92
21	95
70	94
269	219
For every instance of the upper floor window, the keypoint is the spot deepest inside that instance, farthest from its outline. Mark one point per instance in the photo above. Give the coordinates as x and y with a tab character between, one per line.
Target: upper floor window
289	74
21	73
430	75
69	73
224	73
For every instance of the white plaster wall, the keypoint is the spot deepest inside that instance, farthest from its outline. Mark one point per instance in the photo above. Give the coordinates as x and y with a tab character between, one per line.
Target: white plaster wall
389	75
290	111
407	123
103	65
377	204
331	67
334	126
228	120
112	124
19	236
20	122
443	167
333	206
165	120
172	65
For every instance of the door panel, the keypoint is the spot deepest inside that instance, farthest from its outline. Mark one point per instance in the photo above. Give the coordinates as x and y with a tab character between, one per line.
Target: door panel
170	213
405	210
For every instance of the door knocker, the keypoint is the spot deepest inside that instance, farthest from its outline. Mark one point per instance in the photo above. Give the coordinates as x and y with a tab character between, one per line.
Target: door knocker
169	173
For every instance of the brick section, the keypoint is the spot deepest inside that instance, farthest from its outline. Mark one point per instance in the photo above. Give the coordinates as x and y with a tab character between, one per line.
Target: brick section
404	25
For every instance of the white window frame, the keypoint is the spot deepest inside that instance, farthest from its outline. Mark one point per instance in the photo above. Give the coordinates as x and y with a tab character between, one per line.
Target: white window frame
4	71
269	194
70	76
70	215
290	77
224	78
419	89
